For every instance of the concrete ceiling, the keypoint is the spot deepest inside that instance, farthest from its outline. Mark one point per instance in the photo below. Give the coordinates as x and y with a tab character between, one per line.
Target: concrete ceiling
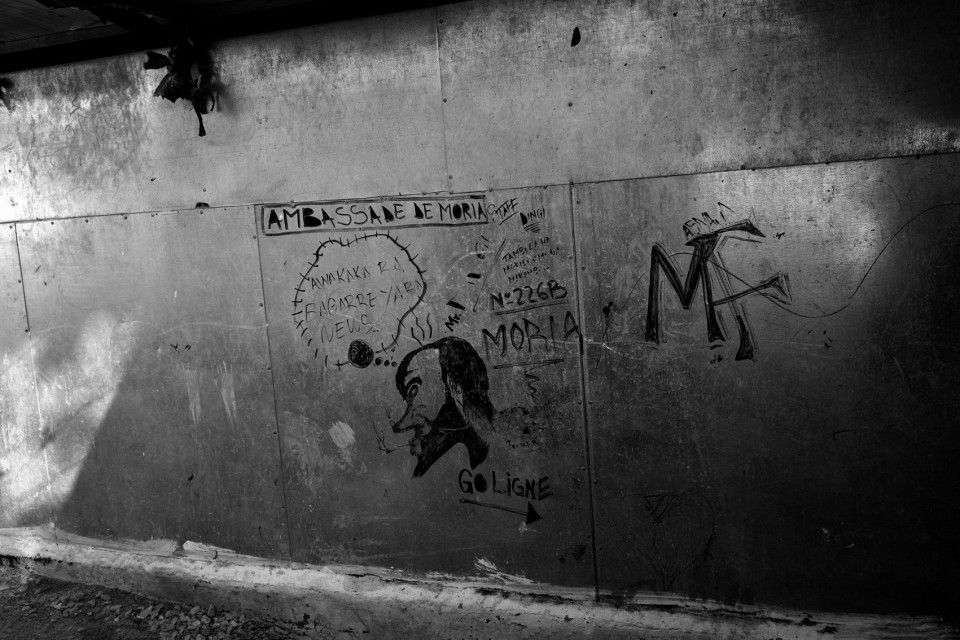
37	33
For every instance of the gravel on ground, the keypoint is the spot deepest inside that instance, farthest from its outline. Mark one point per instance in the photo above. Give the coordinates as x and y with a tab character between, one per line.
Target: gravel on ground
39	608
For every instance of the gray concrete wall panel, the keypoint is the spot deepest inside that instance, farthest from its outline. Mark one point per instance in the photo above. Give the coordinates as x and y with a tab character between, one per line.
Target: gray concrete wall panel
347	109
428	382
775	425
24	495
793	450
657	88
152	363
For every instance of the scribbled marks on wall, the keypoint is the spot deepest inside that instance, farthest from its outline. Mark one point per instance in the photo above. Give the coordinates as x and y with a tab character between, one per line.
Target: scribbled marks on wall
192	377
445	388
530	258
317	452
354	298
682	528
191	380
485	567
707	236
521	428
456	316
530	332
531	343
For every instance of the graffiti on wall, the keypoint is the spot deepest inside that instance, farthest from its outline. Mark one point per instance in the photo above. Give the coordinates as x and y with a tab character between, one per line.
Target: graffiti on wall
373	214
446	390
357	292
706	269
469	342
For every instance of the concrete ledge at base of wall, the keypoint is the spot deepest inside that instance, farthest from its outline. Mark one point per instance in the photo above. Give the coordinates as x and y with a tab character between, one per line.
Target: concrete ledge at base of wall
392	604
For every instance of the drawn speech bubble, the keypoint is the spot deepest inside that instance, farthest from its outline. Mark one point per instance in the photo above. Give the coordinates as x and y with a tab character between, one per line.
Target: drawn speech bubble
354	297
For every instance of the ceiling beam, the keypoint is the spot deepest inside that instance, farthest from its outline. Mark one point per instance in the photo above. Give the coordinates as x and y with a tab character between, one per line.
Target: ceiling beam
145	26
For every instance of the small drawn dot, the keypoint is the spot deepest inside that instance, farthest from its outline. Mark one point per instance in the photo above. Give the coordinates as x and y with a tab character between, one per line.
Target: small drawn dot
378	361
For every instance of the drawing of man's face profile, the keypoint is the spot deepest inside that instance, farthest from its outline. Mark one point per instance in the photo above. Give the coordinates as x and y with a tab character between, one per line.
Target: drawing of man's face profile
445	387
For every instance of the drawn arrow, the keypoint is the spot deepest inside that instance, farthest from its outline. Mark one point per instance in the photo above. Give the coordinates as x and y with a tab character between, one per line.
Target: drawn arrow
530	513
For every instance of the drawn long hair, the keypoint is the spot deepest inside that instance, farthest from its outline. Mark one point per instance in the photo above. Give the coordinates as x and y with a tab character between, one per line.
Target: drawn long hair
461	365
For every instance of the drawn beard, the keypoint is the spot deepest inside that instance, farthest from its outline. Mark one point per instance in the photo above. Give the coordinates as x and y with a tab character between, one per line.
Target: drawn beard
420	434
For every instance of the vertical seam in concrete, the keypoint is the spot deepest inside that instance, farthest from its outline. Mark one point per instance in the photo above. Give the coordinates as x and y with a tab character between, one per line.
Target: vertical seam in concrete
33	366
273	387
584	396
443	112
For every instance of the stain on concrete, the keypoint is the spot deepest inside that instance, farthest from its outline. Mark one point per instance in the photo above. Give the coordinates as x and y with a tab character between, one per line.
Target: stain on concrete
342	436
191	380
225	384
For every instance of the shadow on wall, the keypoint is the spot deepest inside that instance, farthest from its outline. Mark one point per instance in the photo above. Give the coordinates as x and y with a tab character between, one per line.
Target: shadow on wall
928	84
145	434
143	440
825	462
81	377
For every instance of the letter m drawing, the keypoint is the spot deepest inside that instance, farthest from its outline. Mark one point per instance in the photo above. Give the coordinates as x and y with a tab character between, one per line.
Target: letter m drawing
706	269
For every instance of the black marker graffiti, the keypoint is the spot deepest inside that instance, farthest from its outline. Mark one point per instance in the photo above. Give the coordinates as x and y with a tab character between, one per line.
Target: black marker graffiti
445	387
530	513
359	289
529	488
532	221
360	354
525	332
453	321
505	210
382	441
483	283
607	309
421	332
373	214
703	223
937	208
706	259
481	247
528	372
546	293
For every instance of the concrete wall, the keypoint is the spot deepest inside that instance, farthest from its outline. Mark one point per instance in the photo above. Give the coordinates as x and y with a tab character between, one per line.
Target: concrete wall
677	327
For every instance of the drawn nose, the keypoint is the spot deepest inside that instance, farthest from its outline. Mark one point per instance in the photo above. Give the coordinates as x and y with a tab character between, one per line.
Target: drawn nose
405	423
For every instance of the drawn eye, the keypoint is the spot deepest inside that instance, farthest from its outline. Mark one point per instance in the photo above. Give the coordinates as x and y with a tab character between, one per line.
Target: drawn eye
412	391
